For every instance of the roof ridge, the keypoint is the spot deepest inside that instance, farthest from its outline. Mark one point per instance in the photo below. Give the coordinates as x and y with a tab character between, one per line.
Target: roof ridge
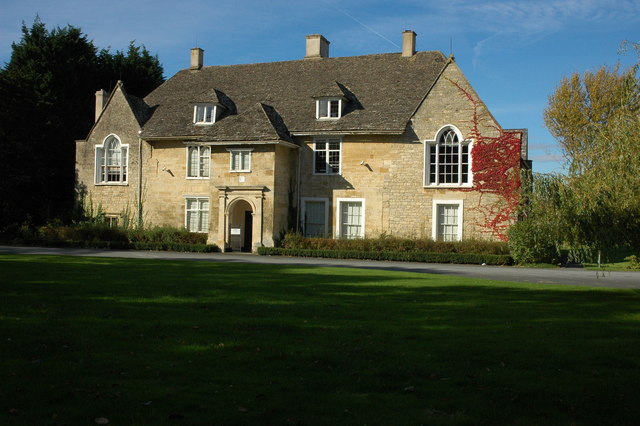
141	116
383	91
319	60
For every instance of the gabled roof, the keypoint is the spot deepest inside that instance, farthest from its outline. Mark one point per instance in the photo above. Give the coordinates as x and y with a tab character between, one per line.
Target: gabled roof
334	90
383	91
140	110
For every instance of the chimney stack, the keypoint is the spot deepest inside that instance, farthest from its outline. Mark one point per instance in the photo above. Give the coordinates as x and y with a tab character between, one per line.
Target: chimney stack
197	58
102	96
408	43
317	47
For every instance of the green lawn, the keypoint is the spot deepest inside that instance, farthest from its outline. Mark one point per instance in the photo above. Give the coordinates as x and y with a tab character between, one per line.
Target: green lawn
614	261
159	342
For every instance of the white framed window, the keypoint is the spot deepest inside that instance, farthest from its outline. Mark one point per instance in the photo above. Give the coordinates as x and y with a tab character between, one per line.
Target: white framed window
448	159
204	114
198	161
315	215
112	220
240	159
447	220
196	218
112	158
327	155
350	218
328	108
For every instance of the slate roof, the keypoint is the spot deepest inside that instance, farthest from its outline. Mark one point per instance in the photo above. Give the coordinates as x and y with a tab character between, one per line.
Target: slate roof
140	109
270	101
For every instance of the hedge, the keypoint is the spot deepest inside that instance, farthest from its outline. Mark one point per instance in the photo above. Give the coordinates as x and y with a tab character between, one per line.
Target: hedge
410	256
102	236
137	245
389	243
196	248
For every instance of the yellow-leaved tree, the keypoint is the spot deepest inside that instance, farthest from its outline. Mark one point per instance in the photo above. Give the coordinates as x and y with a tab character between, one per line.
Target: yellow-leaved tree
595	117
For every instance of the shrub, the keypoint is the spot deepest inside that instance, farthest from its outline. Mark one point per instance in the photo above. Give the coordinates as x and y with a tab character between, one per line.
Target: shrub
166	234
529	243
96	234
406	256
19	234
634	262
197	248
395	244
87	231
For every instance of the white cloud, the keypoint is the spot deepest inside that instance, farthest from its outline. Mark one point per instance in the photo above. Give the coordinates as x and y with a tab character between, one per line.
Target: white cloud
274	29
509	22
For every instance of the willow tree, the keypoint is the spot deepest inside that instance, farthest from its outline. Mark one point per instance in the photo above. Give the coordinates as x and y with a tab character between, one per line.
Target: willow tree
595	117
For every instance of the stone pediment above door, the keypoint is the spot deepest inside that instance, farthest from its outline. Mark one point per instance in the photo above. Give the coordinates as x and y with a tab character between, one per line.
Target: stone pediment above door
248	199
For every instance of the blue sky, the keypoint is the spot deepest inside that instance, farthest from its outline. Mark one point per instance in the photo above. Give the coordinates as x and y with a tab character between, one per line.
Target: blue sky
514	52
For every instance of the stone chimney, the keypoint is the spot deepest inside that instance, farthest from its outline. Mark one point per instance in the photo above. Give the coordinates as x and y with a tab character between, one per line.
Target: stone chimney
102	96
197	58
408	43
317	47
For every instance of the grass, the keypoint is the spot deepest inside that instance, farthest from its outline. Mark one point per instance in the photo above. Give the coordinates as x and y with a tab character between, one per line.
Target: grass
613	261
612	266
155	342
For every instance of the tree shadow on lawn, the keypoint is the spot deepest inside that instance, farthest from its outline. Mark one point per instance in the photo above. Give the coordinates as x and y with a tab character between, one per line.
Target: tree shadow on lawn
151	342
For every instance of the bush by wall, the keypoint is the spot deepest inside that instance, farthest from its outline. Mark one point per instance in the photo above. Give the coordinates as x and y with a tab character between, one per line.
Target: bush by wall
196	248
167	235
529	242
103	236
406	256
388	243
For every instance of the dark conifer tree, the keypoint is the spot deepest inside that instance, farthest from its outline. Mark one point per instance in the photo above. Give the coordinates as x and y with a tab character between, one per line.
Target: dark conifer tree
48	103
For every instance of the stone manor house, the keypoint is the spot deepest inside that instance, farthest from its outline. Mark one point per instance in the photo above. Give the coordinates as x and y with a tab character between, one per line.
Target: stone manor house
339	147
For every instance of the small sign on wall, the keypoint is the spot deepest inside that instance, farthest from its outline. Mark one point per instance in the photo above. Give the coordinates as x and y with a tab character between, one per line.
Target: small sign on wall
236	231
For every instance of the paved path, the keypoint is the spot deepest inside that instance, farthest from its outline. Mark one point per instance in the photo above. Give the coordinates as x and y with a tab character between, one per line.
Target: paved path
562	276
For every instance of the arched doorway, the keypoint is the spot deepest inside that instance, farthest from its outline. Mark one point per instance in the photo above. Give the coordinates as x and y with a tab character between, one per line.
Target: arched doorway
240	226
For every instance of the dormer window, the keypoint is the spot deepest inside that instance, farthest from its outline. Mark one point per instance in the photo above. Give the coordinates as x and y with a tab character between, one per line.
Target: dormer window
328	108
205	114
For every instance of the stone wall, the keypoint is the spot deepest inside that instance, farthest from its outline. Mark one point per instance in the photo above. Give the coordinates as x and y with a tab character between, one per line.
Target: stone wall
285	187
388	171
166	185
112	199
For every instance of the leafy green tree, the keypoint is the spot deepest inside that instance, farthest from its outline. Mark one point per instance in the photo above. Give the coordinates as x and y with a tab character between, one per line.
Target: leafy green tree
541	230
48	91
596	119
585	111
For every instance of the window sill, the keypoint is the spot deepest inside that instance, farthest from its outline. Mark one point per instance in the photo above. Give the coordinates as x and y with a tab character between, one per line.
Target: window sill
326	174
111	184
239	171
448	185
197	178
204	124
327	118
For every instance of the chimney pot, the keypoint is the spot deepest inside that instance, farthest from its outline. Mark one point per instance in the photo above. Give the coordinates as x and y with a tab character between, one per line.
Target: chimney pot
197	58
317	47
102	96
408	43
